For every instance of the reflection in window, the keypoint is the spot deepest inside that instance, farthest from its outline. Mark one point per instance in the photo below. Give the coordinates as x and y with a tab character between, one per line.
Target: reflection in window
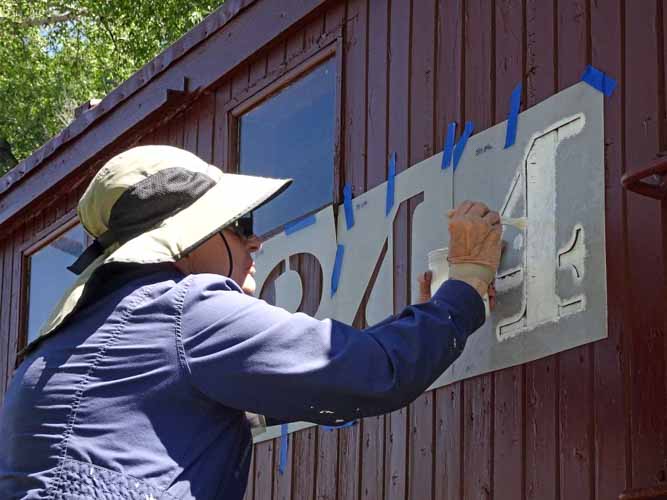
292	135
49	278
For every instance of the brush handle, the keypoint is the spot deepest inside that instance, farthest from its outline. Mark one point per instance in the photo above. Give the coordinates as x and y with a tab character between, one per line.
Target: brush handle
518	222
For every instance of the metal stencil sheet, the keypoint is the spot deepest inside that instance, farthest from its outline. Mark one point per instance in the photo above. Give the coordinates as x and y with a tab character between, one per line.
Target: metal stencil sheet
552	280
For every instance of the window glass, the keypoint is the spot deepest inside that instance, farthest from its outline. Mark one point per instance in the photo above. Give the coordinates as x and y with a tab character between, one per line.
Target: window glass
291	134
49	277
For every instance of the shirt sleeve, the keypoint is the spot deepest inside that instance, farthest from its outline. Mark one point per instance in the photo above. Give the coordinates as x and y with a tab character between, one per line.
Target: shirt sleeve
246	354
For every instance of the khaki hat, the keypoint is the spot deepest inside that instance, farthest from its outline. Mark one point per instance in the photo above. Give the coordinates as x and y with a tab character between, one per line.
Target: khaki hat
154	204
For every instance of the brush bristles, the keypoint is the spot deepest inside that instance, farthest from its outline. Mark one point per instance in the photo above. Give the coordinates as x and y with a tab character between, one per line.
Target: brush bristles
520	223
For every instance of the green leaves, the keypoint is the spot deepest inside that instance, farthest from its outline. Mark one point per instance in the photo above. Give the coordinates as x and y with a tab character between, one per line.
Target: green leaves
56	55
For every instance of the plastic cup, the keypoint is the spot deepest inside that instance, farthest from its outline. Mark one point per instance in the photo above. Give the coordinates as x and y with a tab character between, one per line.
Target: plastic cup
439	266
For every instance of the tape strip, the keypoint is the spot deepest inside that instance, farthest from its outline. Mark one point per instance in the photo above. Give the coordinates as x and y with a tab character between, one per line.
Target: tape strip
293	227
513	117
599	80
461	144
390	183
449	146
347	201
284	443
338	263
332	428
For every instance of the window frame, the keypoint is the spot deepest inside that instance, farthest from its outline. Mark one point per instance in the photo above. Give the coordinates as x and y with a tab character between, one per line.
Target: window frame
330	47
30	247
301	65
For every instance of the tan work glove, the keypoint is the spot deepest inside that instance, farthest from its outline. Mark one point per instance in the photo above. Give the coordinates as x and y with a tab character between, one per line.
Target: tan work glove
257	423
474	245
424	280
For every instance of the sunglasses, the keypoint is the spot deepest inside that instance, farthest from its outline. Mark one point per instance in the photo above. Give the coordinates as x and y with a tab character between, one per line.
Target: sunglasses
242	227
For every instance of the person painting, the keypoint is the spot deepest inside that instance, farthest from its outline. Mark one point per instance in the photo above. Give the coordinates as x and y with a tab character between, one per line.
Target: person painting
138	385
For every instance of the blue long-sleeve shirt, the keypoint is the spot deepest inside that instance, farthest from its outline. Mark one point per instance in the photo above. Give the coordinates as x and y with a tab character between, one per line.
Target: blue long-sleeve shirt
142	394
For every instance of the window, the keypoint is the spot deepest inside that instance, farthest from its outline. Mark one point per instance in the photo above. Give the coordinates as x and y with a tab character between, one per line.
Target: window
48	277
292	134
292	131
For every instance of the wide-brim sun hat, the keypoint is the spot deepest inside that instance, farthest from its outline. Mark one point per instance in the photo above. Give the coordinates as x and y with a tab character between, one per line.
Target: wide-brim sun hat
155	204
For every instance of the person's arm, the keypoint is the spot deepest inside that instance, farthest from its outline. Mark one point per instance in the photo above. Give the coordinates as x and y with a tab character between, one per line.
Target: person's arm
249	355
271	421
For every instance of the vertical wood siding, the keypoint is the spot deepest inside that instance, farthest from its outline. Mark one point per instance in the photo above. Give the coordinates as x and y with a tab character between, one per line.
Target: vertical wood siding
509	65
587	423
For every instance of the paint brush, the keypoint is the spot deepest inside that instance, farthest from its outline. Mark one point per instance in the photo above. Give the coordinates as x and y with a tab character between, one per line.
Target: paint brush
520	223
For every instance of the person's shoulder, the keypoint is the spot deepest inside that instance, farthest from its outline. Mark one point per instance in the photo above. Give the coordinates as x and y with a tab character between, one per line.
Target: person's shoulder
165	278
211	282
210	299
211	292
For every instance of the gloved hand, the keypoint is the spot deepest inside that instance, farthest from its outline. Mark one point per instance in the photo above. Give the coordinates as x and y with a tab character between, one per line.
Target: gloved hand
474	245
424	280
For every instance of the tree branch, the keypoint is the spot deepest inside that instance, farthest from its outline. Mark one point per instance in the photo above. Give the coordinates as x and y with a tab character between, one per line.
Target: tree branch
45	21
110	33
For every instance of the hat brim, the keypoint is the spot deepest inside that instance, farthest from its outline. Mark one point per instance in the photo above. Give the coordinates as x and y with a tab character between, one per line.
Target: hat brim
233	196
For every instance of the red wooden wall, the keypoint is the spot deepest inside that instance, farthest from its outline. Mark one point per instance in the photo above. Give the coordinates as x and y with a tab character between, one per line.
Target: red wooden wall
588	423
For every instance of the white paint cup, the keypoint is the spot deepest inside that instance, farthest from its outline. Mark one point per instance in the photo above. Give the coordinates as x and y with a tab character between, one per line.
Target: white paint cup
439	266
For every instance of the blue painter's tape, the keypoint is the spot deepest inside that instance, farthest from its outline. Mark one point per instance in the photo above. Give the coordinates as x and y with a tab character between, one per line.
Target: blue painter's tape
284	443
513	118
390	183
338	263
349	210
599	80
461	144
449	146
293	227
609	85
332	428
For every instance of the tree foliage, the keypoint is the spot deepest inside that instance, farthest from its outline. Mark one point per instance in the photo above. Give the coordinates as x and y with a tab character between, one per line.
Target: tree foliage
56	55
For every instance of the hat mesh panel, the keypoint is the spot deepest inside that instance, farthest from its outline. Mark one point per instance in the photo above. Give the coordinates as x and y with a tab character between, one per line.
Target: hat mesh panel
150	201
